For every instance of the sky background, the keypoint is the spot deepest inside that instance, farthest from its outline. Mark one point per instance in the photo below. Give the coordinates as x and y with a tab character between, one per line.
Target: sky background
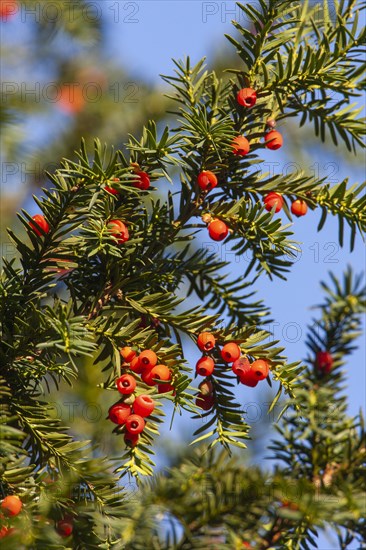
142	37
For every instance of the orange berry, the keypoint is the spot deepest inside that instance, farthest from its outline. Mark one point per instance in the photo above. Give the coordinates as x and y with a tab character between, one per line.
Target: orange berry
143	405
230	352
218	230
148	358
205	366
206	180
119	412
260	369
147	377
299	208
135	424
273	140
128	354
11	505
136	365
41	224
126	384
240	146
273	200
247	97
206	341
160	372
119	231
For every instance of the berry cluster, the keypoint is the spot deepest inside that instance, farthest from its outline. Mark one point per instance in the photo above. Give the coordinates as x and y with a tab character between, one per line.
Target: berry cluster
248	374
10	507
207	180
132	410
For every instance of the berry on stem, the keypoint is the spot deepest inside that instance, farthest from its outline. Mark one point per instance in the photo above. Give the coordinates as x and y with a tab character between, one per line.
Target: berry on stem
218	230
131	439
64	527
119	412
299	208
118	230
248	378
205	366
148	358
273	140
206	180
143	405
205	402
247	97
324	361
128	354
206	341
165	388
143	182
230	352
241	366
206	387
160	372
135	424
11	505
41	224
126	384
273	200
136	365
260	369
240	146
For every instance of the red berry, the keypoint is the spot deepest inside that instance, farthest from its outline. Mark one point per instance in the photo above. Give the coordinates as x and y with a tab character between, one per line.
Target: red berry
111	190
273	140
8	8
248	378
128	354
324	361
148	358
241	366
205	402
143	181
240	146
147	377
205	366
260	369
206	180
273	200
4	530
136	365
218	230
143	405
11	505
131	439
165	388
160	372
247	97
206	341
64	528
299	208
135	424
119	231
230	352
119	412
126	384
41	223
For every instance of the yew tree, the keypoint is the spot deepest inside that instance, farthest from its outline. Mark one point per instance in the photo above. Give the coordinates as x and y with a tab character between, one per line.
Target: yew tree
97	291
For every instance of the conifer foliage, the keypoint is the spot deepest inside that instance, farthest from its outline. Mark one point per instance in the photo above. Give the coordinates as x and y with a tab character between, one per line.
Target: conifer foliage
98	275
